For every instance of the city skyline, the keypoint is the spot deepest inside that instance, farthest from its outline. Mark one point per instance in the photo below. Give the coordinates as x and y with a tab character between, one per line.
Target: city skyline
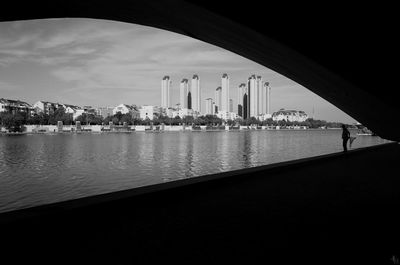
123	63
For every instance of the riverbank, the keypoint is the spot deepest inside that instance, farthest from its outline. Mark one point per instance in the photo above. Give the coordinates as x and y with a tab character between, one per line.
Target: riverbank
52	129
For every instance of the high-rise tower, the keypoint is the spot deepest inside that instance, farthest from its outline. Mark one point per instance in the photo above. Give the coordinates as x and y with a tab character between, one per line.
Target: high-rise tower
241	91
259	89
165	86
218	97
183	94
253	96
246	103
225	93
209	106
196	93
268	96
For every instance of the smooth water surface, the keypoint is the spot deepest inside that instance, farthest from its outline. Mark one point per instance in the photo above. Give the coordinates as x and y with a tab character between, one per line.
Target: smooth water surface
39	169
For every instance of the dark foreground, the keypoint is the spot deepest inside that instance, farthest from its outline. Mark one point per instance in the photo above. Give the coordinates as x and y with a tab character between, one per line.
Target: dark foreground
337	209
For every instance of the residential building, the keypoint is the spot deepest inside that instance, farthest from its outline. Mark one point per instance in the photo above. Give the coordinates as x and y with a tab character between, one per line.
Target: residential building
183	94
209	106
105	111
183	113
227	115
189	99
196	94
259	89
268	97
289	115
246	103
123	108
70	109
77	113
15	106
224	94
165	92
218	98
253	96
148	112
46	107
241	91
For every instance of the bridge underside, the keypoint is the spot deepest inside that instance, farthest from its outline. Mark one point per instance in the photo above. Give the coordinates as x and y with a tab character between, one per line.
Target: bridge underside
332	211
353	50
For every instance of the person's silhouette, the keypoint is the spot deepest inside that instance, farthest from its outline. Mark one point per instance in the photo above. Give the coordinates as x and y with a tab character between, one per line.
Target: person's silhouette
345	137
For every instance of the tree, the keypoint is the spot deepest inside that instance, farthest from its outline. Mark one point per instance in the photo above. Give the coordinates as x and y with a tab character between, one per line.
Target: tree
115	120
188	120
126	118
177	120
12	122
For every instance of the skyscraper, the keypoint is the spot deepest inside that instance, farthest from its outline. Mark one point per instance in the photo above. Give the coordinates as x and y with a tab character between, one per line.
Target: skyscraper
196	93
225	93
165	86
265	98
183	94
218	97
253	96
246	103
189	100
268	103
209	106
241	91
259	89
230	105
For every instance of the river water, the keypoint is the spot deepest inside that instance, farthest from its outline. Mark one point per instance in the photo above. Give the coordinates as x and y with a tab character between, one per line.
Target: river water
39	169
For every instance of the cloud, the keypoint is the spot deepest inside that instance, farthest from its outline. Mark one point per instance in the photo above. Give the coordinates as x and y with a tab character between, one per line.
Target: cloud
6	86
103	61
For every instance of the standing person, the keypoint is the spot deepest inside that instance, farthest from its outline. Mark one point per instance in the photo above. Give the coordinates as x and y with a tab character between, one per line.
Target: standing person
345	137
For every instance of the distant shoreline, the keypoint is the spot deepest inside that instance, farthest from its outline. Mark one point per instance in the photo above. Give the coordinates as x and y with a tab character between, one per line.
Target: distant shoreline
158	131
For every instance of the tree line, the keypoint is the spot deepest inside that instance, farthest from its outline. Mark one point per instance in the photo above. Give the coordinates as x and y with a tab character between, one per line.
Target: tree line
14	121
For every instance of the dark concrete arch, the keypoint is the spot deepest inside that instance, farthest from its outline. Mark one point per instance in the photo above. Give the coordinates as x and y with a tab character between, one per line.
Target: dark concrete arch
233	27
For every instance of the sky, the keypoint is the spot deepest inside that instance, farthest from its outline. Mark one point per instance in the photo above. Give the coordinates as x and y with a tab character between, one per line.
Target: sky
105	63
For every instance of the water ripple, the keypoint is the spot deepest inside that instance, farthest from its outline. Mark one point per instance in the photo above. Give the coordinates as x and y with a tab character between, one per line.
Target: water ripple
40	169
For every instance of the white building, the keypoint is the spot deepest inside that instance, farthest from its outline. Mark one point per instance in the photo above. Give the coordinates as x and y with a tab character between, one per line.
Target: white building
209	106
227	115
263	117
224	94
260	99
105	111
15	106
71	109
123	108
266	95
196	93
289	115
183	94
183	113
77	113
165	87
240	98
218	97
147	111
253	96
46	107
